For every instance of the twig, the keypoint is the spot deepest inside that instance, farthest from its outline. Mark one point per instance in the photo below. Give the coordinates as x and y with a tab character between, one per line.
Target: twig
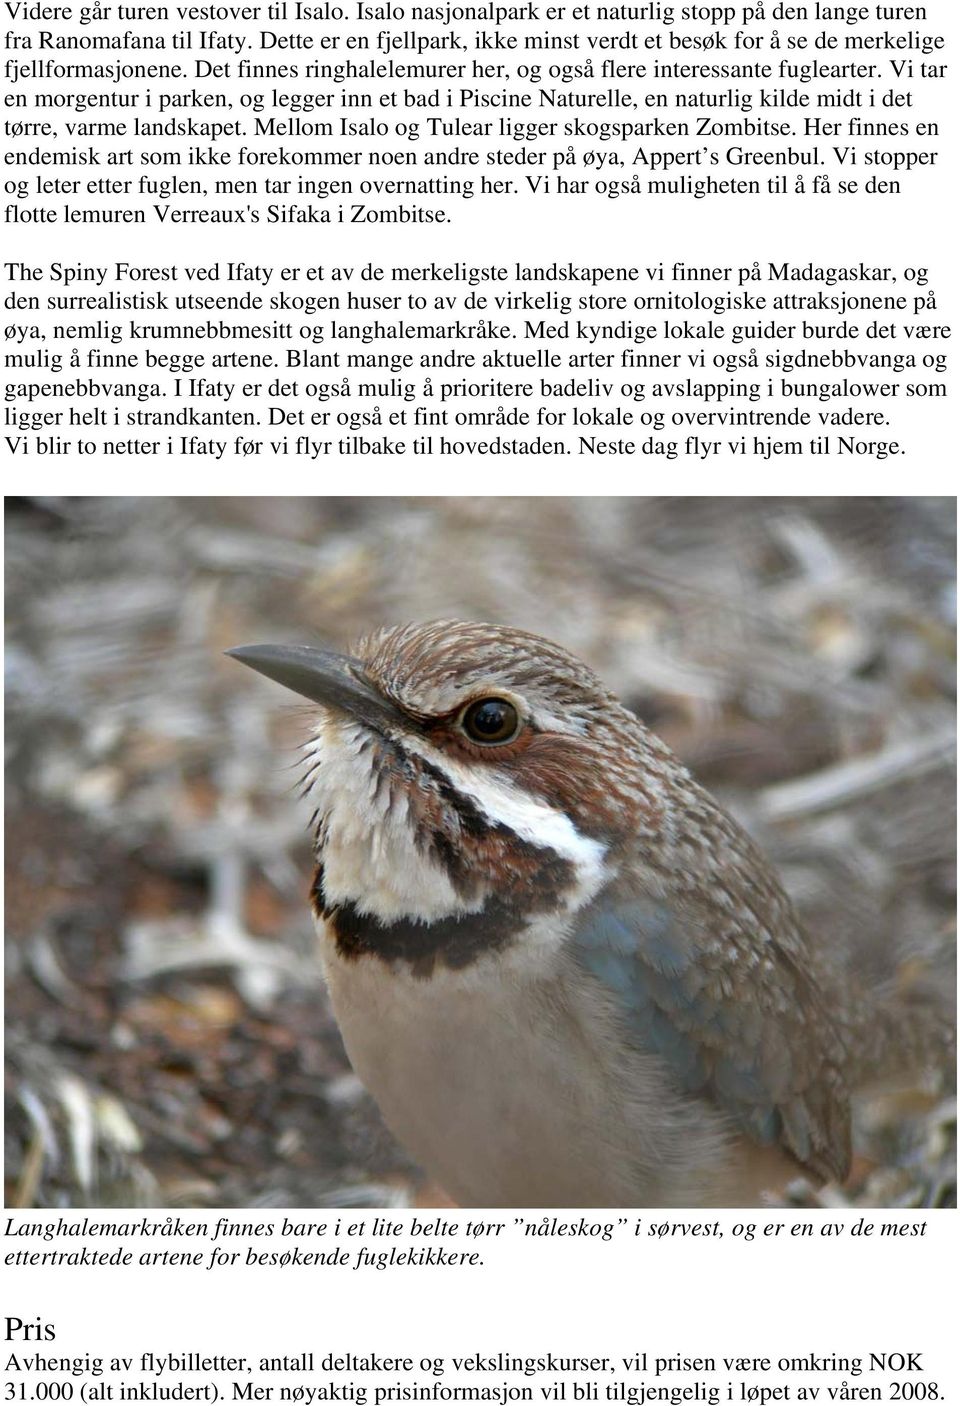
852	780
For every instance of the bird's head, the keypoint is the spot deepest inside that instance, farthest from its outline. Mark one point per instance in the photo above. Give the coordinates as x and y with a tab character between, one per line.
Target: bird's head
460	768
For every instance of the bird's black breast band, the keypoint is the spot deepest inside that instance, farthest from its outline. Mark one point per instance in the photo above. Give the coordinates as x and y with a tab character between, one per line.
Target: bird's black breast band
454	942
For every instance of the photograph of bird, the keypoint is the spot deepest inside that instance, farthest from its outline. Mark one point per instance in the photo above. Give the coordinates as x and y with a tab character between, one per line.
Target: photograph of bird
624	876
567	976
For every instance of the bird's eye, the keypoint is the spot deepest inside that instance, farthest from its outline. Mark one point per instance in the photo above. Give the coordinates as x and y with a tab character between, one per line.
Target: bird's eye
490	720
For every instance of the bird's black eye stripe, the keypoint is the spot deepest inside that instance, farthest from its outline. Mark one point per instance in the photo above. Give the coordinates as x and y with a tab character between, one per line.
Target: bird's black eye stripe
490	720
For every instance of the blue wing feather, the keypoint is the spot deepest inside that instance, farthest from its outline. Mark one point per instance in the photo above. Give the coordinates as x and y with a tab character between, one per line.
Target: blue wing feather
694	1019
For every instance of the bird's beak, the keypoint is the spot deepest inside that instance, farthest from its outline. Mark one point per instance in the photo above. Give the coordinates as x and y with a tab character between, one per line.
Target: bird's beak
333	680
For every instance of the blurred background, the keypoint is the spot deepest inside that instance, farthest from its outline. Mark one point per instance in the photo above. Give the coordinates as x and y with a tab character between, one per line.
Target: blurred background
169	1041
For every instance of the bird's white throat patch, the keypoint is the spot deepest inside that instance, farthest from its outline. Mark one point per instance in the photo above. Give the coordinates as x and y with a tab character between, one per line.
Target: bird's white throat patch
370	853
370	856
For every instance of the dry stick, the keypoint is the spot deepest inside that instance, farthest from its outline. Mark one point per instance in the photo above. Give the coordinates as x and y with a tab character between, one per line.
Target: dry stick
851	780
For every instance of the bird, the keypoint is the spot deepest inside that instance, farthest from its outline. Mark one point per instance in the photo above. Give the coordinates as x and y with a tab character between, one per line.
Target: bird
568	977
